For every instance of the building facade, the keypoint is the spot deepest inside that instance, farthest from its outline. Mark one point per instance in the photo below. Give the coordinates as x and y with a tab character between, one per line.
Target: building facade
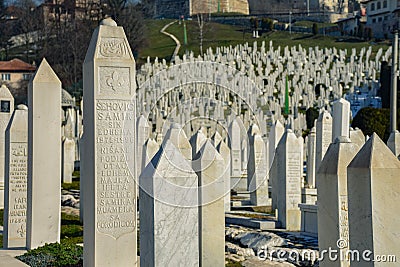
14	72
382	16
178	8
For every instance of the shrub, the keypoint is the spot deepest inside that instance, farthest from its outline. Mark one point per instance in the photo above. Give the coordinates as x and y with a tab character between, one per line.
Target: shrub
55	254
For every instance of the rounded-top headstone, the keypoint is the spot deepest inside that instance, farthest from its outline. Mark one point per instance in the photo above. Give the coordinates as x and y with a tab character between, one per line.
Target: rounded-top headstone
22	107
108	22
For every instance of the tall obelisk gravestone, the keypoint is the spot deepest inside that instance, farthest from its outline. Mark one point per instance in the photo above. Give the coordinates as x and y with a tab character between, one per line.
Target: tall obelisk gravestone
43	216
109	152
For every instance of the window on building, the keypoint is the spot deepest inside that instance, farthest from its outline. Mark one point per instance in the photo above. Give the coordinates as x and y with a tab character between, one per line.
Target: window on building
373	20
372	6
378	5
380	19
385	18
26	76
5	76
385	4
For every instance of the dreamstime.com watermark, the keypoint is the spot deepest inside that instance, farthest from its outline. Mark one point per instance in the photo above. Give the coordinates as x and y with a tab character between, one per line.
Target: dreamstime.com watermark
341	253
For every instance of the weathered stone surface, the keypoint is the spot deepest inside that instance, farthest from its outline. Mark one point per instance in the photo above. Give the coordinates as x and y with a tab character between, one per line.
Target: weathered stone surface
169	216
373	193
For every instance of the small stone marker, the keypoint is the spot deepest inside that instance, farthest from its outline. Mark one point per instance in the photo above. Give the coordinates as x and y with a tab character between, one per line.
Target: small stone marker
6	110
44	158
109	149
373	193
169	216
16	148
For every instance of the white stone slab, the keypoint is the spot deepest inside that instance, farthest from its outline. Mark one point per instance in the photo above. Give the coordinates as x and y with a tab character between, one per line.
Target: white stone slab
16	160
44	158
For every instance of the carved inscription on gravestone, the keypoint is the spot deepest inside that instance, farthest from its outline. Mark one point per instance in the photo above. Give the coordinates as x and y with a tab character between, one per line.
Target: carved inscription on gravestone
18	190
293	180
115	185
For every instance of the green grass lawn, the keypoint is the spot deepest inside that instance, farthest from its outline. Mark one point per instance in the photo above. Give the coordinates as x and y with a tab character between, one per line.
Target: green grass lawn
217	35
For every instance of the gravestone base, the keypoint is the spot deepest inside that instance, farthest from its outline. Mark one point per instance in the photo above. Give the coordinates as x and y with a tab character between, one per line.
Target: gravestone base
309	195
309	219
239	183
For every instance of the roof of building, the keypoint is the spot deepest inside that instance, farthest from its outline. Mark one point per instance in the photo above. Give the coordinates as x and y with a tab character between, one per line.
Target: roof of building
16	65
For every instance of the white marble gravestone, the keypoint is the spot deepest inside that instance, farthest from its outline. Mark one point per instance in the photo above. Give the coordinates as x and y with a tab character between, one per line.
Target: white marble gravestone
287	186
68	159
341	119
109	152
257	171
235	143
225	152
6	110
275	135
169	216
332	197
44	158
373	182
323	136
16	159
209	166
178	137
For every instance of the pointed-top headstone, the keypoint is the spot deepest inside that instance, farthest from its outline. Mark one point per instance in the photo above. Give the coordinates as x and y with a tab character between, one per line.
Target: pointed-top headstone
169	221
197	141
109	87
209	166
178	137
216	138
373	195
44	158
332	195
45	74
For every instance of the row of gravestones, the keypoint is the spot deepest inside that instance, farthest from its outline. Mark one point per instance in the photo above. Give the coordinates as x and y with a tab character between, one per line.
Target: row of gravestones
181	217
70	128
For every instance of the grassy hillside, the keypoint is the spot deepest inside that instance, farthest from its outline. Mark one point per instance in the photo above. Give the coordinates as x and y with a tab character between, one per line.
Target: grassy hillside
217	35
